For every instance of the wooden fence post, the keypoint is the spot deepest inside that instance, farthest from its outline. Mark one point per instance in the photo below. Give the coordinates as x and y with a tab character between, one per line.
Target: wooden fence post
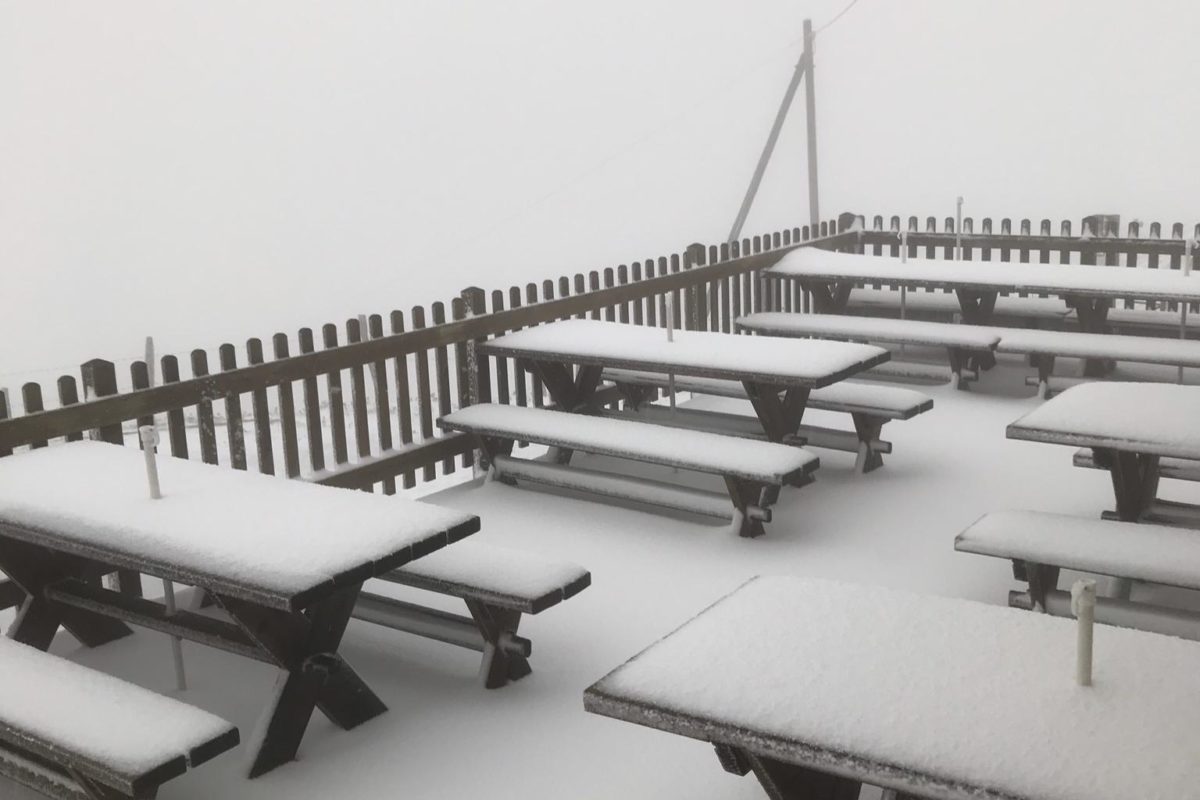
477	370
100	380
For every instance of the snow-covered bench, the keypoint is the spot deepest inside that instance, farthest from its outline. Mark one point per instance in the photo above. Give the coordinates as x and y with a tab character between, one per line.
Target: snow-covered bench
70	731
960	341
1179	469
1153	322
1043	347
869	406
753	471
498	586
1040	544
945	306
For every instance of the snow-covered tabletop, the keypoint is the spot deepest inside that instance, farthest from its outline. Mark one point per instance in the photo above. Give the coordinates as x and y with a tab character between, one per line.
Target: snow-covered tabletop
943	697
817	265
792	362
240	532
1151	418
1075	344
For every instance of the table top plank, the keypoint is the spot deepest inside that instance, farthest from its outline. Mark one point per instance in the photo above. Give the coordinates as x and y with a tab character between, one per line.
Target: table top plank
805	363
1152	418
811	263
945	698
274	541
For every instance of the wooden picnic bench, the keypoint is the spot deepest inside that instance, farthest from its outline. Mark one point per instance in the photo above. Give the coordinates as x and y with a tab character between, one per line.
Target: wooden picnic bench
285	560
1041	544
942	306
67	731
960	341
497	584
777	374
754	471
818	687
1175	468
870	407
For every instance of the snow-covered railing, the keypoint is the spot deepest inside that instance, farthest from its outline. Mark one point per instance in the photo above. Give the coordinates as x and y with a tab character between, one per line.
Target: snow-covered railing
359	411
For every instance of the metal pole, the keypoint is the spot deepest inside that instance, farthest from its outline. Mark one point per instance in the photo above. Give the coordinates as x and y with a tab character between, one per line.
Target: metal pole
810	108
736	231
1183	307
958	228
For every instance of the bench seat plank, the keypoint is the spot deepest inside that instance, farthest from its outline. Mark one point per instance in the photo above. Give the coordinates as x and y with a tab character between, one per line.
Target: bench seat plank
1176	468
790	669
694	450
1154	553
889	402
1073	344
500	576
233	532
947	303
68	714
871	329
1150	318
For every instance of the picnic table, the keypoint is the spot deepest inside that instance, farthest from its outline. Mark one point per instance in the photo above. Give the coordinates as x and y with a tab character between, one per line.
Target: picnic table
284	559
1090	290
1128	426
763	365
928	697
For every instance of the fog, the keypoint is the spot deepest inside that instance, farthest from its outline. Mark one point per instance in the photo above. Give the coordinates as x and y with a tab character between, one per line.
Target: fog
205	172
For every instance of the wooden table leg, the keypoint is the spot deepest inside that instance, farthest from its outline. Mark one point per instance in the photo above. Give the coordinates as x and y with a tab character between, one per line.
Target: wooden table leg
569	393
305	645
1092	313
978	308
828	297
1134	481
34	568
783	781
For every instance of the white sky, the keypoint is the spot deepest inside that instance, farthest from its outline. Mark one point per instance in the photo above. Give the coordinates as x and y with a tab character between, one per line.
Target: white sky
208	171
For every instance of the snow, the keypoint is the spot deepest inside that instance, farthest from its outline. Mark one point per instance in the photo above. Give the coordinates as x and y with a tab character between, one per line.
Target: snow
717	355
75	707
501	570
1151	418
278	535
876	329
1123	549
1059	279
950	688
652	571
1143	349
697	450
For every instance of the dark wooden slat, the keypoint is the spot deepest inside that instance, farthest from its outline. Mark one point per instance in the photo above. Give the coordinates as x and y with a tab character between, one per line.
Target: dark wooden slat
313	423
441	361
594	286
234	424
501	371
335	399
100	380
31	399
424	391
204	413
68	395
176	421
139	378
403	395
536	393
287	413
263	445
639	306
383	401
462	372
623	314
610	312
521	379
358	394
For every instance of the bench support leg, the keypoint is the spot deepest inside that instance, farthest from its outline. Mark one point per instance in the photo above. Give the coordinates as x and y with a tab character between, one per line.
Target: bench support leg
1135	485
1044	362
304	644
1042	578
783	781
501	664
573	394
1092	313
958	362
868	429
828	298
492	446
780	417
746	494
93	790
33	569
977	309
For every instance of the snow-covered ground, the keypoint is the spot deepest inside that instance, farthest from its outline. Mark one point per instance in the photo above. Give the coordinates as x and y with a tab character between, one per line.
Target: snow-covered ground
445	737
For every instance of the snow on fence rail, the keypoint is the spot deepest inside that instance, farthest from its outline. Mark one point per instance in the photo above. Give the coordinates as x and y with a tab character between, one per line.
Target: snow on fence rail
360	412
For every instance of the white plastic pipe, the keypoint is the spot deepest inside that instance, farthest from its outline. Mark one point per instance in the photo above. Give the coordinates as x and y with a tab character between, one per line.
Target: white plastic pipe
670	301
1183	307
149	437
958	203
1083	606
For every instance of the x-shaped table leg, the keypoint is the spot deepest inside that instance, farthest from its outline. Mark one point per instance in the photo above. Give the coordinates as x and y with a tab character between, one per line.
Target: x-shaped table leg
1092	313
977	309
569	393
828	297
304	644
783	781
1134	480
34	568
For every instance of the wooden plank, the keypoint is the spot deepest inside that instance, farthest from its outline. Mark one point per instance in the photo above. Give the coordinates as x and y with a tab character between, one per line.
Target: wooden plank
234	425
403	395
4	414
652	315
383	402
441	360
536	392
176	421
264	447
68	395
502	388
206	427
639	306
335	399
287	412
594	286
313	423
424	391
519	373
99	380
462	372
358	394
623	314
610	312
31	400
139	378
